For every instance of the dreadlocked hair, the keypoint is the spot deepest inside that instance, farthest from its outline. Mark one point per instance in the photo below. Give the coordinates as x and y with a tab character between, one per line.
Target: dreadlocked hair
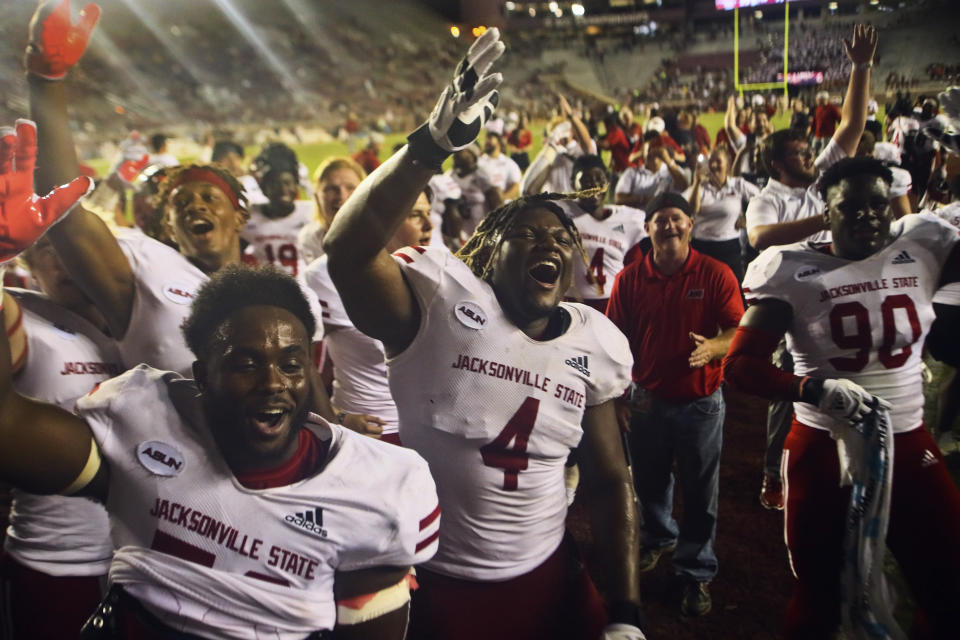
478	252
173	181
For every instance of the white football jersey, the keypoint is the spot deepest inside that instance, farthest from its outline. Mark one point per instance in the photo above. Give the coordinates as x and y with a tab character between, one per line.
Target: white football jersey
166	284
496	413
864	320
359	365
66	358
503	171
474	188
275	240
606	243
310	240
213	558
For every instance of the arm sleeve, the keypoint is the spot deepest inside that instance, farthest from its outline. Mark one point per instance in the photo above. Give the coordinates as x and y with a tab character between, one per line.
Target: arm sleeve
761	211
331	308
625	184
831	155
616	361
729	300
425	268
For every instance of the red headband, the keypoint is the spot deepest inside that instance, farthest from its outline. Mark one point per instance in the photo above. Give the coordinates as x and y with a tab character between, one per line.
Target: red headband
202	174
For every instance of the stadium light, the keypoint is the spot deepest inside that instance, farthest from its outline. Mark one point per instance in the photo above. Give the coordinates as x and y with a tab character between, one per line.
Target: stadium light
510	6
553	6
758	14
479	31
532	11
577	10
455	31
832	6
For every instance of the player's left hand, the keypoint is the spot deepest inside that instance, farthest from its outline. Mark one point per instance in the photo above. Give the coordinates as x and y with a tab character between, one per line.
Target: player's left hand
464	107
56	44
24	216
620	631
702	351
364	424
864	44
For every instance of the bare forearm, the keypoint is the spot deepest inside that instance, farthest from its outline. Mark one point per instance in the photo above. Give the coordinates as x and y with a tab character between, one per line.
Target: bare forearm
854	110
769	235
57	157
617	537
680	180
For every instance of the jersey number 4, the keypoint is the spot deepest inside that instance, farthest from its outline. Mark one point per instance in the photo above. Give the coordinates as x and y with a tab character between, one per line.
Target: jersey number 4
862	338
512	460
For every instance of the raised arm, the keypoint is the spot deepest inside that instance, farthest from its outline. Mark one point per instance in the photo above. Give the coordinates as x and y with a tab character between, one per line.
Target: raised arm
43	449
854	113
86	246
580	132
371	285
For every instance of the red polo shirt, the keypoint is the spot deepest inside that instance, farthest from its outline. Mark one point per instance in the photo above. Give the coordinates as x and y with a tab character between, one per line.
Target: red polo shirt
657	314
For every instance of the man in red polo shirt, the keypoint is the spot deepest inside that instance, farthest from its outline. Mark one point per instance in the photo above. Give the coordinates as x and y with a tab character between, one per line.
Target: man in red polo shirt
679	309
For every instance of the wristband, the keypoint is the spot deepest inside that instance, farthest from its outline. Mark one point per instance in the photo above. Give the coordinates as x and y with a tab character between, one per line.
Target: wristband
340	417
624	612
811	390
424	151
863	65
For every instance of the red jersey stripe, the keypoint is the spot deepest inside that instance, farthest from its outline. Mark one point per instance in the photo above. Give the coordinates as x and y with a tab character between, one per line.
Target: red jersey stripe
426	542
430	519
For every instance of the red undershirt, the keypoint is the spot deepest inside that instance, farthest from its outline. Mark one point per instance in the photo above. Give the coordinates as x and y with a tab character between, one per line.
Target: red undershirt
311	452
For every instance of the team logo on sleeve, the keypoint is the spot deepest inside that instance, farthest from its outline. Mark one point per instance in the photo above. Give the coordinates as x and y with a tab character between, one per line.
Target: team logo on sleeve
806	272
310	519
470	315
179	293
160	458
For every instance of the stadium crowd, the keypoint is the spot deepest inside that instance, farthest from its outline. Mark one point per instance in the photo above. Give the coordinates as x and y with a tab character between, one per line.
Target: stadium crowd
241	400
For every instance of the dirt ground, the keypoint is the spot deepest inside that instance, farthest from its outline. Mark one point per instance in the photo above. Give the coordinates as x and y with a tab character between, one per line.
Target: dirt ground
754	580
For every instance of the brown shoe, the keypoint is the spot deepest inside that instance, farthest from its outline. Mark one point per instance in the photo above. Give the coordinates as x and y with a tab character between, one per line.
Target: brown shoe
650	557
696	599
771	492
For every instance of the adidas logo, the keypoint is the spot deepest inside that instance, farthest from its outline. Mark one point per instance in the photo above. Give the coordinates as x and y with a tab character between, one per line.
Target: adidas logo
903	258
928	459
619	228
311	521
580	364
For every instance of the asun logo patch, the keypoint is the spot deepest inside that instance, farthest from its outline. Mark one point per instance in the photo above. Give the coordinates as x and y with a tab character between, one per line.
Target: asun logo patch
179	293
806	272
310	520
160	458
470	315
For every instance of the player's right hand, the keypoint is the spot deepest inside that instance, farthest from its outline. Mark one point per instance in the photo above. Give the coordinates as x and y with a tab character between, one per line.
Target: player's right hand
846	400
364	424
620	631
56	44
463	108
24	216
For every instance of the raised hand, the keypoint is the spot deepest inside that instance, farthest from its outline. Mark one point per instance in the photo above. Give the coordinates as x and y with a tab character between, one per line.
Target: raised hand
864	44
24	216
56	44
463	108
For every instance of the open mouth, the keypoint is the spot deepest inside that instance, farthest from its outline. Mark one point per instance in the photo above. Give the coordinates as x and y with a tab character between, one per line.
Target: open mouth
200	227
545	272
269	421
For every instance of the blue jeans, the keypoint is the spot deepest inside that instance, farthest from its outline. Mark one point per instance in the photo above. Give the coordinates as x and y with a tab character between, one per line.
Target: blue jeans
691	432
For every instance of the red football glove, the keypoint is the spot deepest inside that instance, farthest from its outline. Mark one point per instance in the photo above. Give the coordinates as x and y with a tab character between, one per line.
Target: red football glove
55	42
130	169
24	216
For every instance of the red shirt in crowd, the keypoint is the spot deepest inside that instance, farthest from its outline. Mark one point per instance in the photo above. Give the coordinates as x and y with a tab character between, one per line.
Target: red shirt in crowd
616	141
657	314
825	119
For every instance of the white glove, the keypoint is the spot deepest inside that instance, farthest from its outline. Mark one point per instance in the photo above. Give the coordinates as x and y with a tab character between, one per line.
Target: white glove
620	631
846	400
464	107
